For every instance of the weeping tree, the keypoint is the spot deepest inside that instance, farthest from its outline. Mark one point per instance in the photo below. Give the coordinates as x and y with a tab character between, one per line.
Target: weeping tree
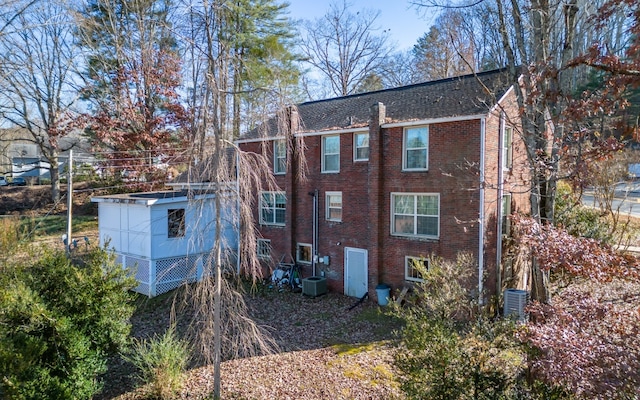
237	56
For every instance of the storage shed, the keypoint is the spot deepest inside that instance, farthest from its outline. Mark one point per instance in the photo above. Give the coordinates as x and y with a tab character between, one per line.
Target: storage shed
166	237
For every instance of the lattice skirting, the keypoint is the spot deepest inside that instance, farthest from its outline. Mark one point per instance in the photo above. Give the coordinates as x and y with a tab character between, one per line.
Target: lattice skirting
159	276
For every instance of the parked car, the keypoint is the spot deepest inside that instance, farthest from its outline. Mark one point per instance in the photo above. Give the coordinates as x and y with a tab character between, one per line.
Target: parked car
19	182
3	181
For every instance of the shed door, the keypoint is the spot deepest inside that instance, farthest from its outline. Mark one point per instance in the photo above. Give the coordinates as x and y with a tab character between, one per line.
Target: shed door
355	272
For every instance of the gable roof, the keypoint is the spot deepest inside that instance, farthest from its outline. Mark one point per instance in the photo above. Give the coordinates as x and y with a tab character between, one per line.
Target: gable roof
460	96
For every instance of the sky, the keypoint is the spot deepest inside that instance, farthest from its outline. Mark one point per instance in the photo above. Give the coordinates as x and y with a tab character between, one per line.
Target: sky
406	24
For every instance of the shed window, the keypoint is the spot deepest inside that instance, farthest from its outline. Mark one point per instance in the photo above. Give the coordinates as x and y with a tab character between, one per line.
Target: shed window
175	219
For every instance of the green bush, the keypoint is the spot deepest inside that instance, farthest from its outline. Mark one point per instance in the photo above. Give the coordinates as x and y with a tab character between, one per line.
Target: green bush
161	362
59	322
579	220
447	351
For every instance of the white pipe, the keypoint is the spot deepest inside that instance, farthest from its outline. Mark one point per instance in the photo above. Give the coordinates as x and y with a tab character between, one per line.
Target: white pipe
69	200
501	162
482	216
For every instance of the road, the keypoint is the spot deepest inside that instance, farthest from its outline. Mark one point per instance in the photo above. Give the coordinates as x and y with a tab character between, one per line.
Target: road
627	199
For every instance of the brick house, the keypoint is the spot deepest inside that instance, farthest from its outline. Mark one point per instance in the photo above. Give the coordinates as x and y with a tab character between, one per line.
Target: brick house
393	176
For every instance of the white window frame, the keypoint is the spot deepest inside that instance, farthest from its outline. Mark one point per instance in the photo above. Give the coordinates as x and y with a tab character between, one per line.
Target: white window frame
507	148
506	213
410	271
406	149
325	154
414	214
356	147
263	249
273	206
305	245
279	153
328	207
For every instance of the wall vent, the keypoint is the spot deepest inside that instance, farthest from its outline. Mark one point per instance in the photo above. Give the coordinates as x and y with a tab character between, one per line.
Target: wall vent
515	301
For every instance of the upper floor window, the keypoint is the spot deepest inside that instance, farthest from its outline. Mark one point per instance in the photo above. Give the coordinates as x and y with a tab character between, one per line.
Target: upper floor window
272	208
415	215
331	153
415	268
279	157
360	146
334	206
415	145
176	222
507	148
506	213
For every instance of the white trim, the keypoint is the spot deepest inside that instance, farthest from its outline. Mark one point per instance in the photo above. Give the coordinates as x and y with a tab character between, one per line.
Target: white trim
275	195
355	146
428	121
331	132
504	96
392	215
310	246
404	149
323	167
481	221
433	121
327	206
259	139
275	156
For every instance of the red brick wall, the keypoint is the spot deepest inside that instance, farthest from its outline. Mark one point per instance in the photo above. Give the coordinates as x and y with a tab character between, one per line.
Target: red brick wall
454	162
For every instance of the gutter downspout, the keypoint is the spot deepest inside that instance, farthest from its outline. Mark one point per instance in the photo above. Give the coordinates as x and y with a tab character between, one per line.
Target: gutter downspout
314	243
499	205
483	124
238	210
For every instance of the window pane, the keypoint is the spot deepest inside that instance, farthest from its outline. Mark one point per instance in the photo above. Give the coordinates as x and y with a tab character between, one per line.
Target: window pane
280	214
332	163
403	204
427	205
404	224
332	145
416	138
362	153
417	158
427	226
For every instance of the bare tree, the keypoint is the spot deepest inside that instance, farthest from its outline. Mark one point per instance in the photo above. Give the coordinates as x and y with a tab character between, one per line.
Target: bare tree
37	61
221	72
344	48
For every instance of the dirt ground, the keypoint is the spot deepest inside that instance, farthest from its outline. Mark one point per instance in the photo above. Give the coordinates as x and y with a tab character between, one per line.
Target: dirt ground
36	200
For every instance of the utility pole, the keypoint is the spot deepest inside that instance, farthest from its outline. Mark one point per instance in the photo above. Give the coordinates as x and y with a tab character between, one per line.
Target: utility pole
69	200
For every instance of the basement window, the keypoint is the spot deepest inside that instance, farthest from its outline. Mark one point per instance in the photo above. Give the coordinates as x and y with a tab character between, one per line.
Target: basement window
303	253
414	268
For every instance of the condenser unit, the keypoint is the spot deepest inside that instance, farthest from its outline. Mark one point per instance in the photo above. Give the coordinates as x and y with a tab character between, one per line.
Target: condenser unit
515	301
314	286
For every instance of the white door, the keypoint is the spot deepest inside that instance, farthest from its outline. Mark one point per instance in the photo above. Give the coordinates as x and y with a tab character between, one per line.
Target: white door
355	272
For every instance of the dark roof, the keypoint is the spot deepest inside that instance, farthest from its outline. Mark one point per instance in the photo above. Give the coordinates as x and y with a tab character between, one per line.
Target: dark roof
452	97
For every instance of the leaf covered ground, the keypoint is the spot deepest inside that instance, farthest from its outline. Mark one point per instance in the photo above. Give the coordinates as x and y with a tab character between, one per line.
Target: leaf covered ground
327	351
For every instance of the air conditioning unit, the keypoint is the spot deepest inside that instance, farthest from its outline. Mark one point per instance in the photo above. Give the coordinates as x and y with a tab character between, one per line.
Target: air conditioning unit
314	286
515	301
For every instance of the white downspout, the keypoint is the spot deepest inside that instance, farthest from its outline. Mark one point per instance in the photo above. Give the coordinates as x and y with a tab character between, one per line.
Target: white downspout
481	213
239	211
501	164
